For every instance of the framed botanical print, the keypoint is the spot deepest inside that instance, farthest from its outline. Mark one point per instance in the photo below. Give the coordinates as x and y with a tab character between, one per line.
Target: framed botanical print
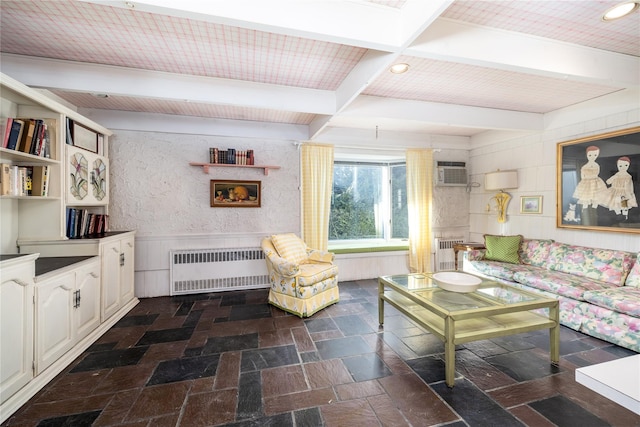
598	182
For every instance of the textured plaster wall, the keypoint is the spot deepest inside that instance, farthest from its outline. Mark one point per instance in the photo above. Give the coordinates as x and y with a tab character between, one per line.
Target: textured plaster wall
155	191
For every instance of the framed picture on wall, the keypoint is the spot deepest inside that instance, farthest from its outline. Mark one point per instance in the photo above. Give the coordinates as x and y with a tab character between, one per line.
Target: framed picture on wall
531	204
235	194
598	182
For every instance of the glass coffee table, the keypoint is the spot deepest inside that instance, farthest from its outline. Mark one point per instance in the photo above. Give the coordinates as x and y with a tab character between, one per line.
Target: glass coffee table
493	310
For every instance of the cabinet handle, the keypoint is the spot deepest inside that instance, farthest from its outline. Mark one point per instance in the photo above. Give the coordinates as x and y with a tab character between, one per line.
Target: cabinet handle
94	275
121	259
114	250
76	299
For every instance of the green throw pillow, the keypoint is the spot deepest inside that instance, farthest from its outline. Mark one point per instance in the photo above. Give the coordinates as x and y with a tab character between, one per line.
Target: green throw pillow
502	248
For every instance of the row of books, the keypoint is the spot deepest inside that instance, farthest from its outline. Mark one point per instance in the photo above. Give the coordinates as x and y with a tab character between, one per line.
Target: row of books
231	156
82	223
24	180
31	136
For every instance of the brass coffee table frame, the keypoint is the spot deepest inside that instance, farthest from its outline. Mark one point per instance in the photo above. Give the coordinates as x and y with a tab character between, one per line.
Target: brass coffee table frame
467	323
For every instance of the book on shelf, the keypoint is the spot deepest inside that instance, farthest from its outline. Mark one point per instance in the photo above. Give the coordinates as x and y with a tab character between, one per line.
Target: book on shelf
5	179
82	223
39	181
69	140
27	135
15	135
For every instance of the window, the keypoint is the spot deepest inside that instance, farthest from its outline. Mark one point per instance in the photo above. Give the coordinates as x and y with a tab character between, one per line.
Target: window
369	201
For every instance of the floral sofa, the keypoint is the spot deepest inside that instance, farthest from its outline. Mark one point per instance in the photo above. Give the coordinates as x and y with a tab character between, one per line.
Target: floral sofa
598	289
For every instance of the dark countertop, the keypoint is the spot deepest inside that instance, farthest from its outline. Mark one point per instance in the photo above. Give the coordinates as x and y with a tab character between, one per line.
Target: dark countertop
48	264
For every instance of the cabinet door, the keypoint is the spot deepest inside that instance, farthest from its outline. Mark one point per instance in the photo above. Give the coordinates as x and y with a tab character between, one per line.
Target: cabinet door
16	329
87	312
110	278
54	319
87	178
127	269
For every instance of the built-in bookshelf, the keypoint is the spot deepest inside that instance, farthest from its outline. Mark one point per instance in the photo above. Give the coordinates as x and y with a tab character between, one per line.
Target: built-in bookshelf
206	166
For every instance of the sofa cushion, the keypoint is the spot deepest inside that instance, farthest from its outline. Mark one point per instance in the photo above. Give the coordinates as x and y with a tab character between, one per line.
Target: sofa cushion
311	274
623	300
535	251
560	283
603	265
633	279
502	248
290	247
501	270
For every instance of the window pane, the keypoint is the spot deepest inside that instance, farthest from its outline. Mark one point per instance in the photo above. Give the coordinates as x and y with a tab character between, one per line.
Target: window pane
399	215
357	208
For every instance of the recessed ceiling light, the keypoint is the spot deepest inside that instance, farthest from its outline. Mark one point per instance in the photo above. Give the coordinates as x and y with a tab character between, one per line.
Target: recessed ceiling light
618	11
130	5
399	68
100	95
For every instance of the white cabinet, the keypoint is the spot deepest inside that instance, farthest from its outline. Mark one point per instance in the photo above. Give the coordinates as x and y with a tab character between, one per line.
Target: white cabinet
87	182
117	273
16	324
67	310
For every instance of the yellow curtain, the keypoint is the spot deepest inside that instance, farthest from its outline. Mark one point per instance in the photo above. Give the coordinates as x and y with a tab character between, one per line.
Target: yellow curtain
316	165
419	194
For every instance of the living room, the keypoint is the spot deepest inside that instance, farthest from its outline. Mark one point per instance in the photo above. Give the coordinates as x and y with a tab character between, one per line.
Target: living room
162	121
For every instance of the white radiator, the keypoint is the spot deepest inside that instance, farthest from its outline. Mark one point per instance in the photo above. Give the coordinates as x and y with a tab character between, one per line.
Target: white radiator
209	270
445	258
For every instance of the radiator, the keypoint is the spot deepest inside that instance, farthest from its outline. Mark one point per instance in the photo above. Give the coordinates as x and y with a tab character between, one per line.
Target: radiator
210	270
445	258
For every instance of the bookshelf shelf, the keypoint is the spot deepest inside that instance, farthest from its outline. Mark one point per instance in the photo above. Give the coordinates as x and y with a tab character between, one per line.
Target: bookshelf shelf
18	156
206	166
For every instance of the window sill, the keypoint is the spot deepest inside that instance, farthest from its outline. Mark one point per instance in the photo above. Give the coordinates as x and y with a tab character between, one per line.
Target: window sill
359	248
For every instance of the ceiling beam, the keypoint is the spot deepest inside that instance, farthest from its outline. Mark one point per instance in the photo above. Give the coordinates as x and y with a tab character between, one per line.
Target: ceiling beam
372	107
450	40
94	78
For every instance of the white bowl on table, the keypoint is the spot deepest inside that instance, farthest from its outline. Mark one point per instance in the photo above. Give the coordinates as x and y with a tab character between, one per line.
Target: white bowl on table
455	281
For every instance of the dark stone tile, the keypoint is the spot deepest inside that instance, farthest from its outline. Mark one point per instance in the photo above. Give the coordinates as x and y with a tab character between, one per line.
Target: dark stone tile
320	325
397	345
308	418
564	413
253	311
514	342
231	343
220	319
186	368
102	347
475	407
430	369
165	335
272	357
184	308
249	396
366	367
425	345
566	347
523	365
194	351
84	419
352	325
342	347
280	420
620	352
141	320
192	319
233	298
110	359
309	356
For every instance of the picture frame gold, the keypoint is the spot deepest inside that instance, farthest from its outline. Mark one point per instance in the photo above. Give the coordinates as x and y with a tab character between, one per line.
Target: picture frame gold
598	182
530	204
235	194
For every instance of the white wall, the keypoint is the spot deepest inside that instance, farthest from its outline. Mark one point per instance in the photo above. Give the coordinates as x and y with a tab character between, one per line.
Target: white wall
534	156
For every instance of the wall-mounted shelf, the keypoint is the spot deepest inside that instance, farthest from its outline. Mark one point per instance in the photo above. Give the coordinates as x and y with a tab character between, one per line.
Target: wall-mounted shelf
206	166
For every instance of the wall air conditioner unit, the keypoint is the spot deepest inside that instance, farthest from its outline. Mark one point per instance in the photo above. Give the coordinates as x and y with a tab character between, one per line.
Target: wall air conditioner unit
451	174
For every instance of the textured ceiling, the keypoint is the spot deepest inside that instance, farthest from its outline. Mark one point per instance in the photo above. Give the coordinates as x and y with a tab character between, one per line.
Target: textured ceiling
247	60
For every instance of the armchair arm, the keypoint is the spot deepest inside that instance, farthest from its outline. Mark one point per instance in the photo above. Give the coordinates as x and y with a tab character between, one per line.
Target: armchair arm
281	265
316	255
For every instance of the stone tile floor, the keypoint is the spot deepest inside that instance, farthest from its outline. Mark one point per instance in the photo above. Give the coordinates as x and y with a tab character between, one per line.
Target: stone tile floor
231	359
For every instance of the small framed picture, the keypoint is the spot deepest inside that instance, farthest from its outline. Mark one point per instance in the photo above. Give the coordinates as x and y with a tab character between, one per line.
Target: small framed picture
531	204
85	138
235	194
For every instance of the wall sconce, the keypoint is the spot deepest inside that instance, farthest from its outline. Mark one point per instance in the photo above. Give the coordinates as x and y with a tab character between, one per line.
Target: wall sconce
501	180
